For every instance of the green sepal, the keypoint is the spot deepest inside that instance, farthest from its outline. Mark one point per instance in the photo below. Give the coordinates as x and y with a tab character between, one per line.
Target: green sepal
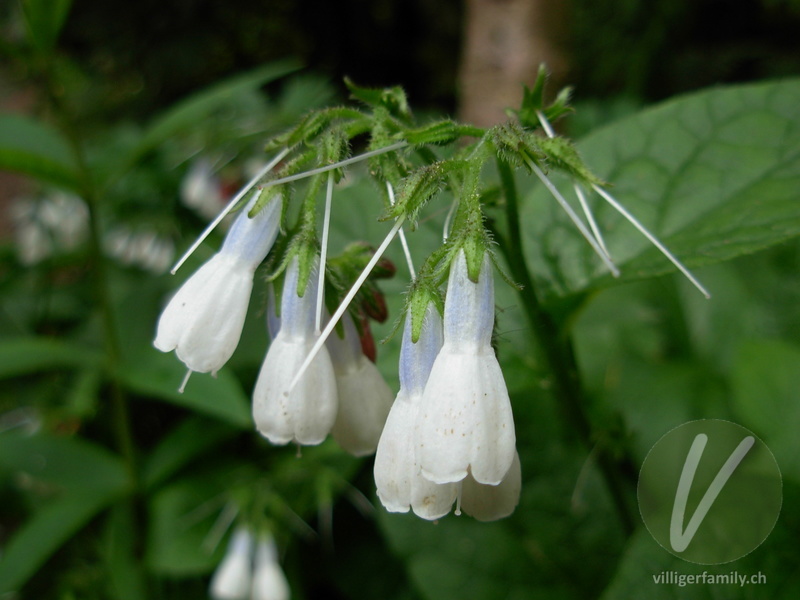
393	99
440	132
533	103
423	184
562	155
312	124
514	145
421	294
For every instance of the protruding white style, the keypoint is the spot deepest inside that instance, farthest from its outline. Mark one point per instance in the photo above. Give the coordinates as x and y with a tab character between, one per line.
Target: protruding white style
492	502
465	425
306	413
203	321
232	579
364	396
398	479
269	582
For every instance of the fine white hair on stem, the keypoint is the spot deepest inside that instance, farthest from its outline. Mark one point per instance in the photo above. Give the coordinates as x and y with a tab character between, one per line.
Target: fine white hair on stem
573	217
323	255
346	302
548	128
449	219
652	238
234	201
402	235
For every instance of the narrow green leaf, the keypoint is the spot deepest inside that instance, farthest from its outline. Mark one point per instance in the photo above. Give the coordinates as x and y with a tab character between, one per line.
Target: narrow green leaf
187	113
44	20
440	132
714	174
32	148
159	376
45	532
65	462
23	356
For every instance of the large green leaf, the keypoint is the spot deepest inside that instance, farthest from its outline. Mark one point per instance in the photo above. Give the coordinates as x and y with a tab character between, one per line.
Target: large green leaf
32	148
187	113
714	174
766	386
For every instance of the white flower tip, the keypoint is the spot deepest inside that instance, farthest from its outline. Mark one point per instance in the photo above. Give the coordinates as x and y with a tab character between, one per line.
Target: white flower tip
442	478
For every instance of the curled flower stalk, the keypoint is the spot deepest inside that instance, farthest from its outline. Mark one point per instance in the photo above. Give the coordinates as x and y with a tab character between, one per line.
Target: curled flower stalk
399	482
306	411
364	396
465	425
204	319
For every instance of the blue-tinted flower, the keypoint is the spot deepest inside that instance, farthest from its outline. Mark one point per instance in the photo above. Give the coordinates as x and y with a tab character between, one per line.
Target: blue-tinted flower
306	413
232	579
364	396
203	321
465	425
398	479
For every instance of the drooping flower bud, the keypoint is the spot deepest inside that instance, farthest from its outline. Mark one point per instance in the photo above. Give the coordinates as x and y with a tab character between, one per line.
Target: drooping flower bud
232	579
269	582
204	319
306	413
399	483
465	425
364	396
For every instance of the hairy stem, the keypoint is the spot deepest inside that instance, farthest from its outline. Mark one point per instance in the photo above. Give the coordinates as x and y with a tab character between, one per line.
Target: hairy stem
557	352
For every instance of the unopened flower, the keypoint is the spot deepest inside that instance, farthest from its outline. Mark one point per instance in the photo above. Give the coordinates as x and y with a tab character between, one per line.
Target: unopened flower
465	425
269	582
306	412
203	321
232	579
364	396
398	479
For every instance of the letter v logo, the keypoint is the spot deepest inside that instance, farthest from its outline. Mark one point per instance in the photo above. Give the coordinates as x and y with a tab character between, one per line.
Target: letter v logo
680	539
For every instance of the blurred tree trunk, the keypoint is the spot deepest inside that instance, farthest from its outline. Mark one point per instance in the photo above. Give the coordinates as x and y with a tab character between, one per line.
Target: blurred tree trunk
504	43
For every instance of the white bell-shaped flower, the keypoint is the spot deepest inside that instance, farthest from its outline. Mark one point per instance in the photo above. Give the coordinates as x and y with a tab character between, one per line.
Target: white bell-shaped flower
364	396
399	483
465	425
269	582
492	502
232	579
306	413
204	319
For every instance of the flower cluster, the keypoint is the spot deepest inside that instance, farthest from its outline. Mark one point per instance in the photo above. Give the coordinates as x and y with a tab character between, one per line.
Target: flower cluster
249	573
449	437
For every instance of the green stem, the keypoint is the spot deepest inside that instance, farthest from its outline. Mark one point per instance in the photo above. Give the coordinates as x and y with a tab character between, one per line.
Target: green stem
557	351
